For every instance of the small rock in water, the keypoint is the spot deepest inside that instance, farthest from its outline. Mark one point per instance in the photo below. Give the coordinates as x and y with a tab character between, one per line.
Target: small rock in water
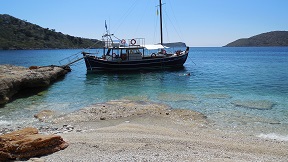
44	115
41	93
36	160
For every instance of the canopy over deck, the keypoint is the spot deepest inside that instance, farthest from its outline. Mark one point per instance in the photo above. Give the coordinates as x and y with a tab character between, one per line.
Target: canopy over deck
154	46
174	44
165	45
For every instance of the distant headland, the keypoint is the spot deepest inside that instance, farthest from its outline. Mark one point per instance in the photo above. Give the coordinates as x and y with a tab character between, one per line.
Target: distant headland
269	39
20	34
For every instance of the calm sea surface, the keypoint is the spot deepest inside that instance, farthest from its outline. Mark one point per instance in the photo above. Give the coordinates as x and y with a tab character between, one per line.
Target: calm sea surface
219	77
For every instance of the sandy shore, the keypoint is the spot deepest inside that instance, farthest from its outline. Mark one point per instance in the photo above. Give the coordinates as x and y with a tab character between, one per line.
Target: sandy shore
141	131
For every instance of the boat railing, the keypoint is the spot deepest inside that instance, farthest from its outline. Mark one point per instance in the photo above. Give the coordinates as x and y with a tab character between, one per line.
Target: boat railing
134	42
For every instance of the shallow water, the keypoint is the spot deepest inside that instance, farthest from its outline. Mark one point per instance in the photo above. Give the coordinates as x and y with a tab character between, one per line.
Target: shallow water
219	77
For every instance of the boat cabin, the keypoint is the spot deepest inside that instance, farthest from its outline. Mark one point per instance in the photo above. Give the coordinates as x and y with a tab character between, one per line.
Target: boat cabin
123	53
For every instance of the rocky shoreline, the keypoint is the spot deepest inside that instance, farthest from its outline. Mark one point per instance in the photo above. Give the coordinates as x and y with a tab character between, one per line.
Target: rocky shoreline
14	79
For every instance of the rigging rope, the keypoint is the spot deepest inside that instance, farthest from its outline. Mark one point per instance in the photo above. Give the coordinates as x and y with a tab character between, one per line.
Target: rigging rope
144	9
173	13
126	15
173	25
165	25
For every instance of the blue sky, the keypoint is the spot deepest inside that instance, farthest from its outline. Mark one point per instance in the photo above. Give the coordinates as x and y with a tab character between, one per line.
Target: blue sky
198	23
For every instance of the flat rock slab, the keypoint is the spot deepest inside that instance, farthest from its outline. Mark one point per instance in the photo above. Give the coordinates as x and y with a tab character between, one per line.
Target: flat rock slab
254	104
126	108
217	96
27	143
15	78
174	97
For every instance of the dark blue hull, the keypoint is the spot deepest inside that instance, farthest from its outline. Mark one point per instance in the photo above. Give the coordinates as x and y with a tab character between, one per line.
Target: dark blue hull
96	64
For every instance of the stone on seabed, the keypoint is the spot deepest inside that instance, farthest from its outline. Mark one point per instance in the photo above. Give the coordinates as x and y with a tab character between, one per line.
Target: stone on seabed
254	104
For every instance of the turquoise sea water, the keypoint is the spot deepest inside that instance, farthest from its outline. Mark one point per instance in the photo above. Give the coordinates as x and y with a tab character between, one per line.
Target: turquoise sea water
219	77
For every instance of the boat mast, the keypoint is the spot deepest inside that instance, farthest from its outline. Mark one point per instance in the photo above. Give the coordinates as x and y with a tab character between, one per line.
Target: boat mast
161	42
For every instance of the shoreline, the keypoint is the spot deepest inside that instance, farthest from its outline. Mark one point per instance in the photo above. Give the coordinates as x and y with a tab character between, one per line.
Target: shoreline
153	132
125	130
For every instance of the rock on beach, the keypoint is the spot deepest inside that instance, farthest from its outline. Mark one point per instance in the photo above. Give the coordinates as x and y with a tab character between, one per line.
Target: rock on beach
13	79
27	143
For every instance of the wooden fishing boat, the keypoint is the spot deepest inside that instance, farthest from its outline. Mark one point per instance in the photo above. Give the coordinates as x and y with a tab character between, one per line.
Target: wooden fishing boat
133	54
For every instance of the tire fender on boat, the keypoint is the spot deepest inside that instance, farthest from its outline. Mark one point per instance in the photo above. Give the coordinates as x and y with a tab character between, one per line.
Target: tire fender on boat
115	55
153	55
133	41
163	51
123	41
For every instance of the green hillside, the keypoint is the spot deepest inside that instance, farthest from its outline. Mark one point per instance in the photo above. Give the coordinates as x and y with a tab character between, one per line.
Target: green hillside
270	39
19	34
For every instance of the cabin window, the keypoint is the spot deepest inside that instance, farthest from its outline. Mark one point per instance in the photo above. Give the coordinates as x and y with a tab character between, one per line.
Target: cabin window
134	51
123	54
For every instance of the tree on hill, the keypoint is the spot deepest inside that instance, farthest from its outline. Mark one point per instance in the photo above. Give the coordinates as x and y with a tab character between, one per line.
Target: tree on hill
20	34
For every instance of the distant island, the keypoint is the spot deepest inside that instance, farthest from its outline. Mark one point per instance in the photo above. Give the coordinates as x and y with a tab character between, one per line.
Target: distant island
20	34
270	39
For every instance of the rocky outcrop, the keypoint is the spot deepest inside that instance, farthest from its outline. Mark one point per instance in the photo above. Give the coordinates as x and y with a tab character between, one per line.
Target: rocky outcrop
27	143
14	79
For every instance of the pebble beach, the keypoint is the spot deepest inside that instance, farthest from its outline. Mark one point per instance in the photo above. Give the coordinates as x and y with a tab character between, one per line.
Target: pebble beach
141	131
